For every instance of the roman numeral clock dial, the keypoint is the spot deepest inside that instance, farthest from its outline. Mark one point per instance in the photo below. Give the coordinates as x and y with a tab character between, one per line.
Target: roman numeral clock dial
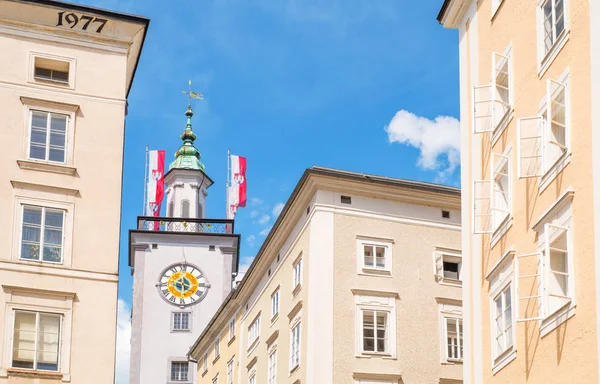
182	285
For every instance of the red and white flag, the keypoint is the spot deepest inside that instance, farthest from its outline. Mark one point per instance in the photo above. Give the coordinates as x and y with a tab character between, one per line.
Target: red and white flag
236	191
156	183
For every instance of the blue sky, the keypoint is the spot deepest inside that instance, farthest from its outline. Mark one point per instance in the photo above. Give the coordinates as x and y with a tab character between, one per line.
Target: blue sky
351	84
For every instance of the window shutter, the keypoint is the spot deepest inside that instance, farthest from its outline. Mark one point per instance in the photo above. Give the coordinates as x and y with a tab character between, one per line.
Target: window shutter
529	146
438	265
532	294
499	106
551	234
482	216
553	89
498	211
482	109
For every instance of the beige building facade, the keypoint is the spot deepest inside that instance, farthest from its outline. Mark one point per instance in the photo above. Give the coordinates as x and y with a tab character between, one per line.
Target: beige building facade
358	281
531	178
65	74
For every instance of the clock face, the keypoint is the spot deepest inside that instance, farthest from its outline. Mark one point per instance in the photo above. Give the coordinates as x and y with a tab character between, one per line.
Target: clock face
182	285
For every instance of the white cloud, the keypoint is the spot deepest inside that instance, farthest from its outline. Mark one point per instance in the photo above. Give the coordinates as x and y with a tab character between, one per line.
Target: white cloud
264	219
266	231
277	209
255	201
251	240
123	342
245	262
254	214
438	140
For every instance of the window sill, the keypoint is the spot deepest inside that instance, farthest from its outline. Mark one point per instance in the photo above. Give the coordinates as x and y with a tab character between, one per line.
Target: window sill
52	83
503	360
559	316
181	330
252	346
452	362
231	340
554	170
43	166
501	230
506	119
204	373
553	52
376	272
45	263
216	359
450	282
296	290
370	355
17	372
274	318
294	368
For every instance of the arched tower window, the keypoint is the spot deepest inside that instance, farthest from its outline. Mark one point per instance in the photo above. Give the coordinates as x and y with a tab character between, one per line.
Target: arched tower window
170	209
185	208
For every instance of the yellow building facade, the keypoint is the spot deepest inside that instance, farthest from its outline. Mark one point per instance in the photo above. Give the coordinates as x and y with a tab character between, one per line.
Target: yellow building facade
359	281
530	139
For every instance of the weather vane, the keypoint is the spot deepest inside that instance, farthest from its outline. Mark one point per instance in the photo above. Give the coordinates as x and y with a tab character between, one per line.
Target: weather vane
191	94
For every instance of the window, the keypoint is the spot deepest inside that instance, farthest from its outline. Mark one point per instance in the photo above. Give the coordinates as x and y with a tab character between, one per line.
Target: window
230	372
275	303
295	347
253	331
232	329
215	379
346	199
216	347
544	139
205	362
185	208
252	378
272	367
51	70
42	234
36	341
374	256
501	203
179	371
553	23
503	322
297	273
454	339
492	103
374	331
495	6
447	265
445	214
181	321
48	136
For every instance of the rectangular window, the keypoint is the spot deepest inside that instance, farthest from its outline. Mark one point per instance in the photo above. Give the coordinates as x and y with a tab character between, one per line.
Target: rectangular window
503	322
501	203
447	265
253	331
181	321
275	303
179	371
451	270
272	373
215	379
553	23
252	379
42	234
216	346
230	372
36	341
232	329
295	350
297	273
454	339
374	256
51	70
48	136
205	362
557	263
374	331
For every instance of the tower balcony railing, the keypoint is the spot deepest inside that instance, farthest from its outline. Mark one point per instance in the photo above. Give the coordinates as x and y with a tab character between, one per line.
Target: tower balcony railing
180	224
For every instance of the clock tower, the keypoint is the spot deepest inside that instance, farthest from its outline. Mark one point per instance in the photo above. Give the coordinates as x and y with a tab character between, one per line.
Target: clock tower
183	266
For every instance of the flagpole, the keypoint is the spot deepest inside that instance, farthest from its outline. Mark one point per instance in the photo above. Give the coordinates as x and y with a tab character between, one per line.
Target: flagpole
144	210
227	184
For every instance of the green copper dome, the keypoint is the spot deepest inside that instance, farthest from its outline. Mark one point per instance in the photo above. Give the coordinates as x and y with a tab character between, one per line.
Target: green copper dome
187	156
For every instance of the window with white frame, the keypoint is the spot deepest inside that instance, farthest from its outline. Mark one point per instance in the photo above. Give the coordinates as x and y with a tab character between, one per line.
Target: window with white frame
216	348
36	341
253	331
48	136
181	321
179	371
272	367
297	273
544	139
275	303
557	261
42	234
46	69
205	362
552	15
295	345
501	195
454	339
232	329
374	256
215	379
252	377
447	265
492	103
374	331
230	372
503	328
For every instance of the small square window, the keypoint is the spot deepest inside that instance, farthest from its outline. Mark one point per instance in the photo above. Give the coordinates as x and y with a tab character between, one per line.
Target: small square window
181	321
179	371
447	265
374	256
451	270
346	199
446	214
51	70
